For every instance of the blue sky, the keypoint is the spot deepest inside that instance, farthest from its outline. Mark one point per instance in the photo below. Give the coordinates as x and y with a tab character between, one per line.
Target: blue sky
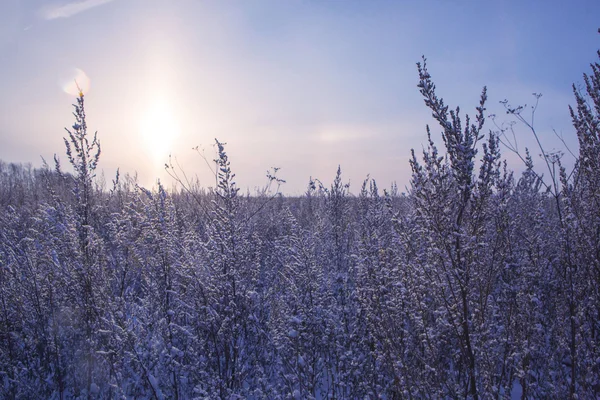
301	85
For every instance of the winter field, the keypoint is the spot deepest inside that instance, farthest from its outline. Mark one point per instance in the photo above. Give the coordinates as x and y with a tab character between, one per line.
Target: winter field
477	283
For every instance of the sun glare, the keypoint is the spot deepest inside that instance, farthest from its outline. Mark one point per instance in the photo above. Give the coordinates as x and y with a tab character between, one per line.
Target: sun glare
74	82
158	130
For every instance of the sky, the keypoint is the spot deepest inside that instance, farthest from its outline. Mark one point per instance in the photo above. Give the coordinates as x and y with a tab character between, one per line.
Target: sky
304	86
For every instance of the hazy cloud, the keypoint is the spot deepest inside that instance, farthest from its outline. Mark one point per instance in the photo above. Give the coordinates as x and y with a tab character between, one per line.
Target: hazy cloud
70	9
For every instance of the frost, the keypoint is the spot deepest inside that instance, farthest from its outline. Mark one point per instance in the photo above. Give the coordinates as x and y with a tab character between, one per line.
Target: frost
477	282
155	386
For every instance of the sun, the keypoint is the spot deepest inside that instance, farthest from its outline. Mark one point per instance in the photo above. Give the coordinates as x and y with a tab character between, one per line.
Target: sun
158	130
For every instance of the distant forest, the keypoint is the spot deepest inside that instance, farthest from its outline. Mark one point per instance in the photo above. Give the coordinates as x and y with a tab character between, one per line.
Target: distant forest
478	283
